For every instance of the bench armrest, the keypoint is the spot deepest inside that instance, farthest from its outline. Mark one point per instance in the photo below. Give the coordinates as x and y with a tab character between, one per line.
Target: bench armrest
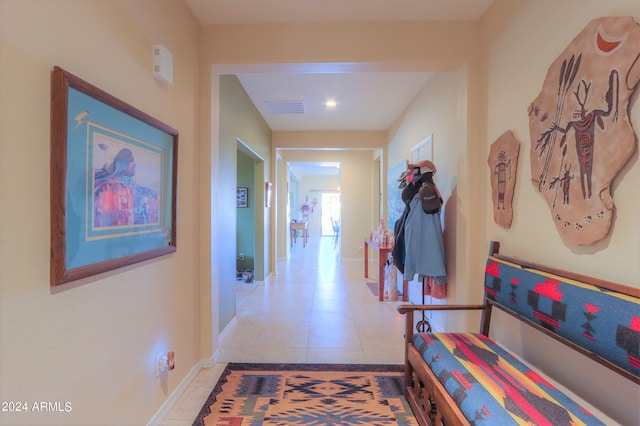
410	308
405	308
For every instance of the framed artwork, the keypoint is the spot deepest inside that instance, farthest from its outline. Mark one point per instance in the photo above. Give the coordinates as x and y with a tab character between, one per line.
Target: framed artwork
422	151
113	182
580	129
242	197
268	189
503	167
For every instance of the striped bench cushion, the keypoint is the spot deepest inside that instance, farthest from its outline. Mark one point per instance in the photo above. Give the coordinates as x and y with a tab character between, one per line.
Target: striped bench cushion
603	322
492	387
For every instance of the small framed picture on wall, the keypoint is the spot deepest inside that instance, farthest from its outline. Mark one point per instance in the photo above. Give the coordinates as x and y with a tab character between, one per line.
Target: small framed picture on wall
268	189
242	197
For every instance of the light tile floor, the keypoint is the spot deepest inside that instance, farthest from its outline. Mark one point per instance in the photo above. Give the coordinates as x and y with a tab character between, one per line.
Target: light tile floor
317	309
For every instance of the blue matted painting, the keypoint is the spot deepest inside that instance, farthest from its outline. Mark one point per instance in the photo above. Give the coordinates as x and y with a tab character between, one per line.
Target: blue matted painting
395	206
113	183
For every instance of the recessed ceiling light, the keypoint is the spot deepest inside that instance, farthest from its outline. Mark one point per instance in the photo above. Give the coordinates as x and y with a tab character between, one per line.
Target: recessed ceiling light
331	103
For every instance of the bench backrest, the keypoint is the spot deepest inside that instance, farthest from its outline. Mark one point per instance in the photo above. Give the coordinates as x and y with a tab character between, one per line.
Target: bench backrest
600	322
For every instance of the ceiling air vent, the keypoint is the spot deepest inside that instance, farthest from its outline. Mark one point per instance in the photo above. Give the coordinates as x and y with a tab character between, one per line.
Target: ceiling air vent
285	107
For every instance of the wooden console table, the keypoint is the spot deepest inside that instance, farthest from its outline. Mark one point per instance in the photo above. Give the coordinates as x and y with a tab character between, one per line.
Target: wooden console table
383	253
302	226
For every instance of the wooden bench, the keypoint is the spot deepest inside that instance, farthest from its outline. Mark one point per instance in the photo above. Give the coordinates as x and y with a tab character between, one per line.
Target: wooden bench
466	378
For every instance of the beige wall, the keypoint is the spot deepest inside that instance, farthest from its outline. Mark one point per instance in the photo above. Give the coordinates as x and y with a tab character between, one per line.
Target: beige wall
511	89
439	111
366	140
92	343
348	42
521	40
239	119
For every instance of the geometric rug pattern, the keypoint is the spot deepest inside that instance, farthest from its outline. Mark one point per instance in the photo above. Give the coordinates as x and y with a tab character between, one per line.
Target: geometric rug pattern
307	394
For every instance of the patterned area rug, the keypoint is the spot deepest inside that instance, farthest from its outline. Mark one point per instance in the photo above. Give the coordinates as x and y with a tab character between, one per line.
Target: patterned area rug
307	394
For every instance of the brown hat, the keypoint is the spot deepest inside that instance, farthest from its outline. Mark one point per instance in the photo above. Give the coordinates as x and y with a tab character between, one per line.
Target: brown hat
403	175
423	164
406	175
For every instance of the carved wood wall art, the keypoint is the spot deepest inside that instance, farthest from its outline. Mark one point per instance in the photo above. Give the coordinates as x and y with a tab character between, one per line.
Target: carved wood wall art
581	135
503	165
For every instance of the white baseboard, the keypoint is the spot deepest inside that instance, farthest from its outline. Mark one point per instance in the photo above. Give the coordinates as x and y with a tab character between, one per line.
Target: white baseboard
215	358
179	390
208	362
227	328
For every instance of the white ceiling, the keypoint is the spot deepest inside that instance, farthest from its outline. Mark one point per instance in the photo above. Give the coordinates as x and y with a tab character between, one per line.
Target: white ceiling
365	101
368	96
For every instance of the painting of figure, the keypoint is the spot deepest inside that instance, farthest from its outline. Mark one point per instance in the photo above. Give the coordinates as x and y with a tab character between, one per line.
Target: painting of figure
126	187
581	135
503	166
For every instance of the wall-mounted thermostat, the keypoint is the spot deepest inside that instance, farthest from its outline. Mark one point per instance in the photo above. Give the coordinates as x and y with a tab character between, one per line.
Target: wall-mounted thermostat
162	64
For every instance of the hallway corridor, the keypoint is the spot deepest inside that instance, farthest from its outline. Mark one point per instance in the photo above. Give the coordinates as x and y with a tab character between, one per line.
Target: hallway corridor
317	309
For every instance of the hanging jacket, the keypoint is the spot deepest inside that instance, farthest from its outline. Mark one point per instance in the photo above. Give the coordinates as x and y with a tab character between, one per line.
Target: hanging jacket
408	192
398	236
423	244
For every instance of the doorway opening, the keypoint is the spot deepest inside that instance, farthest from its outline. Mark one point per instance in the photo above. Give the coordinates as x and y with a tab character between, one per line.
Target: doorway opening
250	216
314	193
330	213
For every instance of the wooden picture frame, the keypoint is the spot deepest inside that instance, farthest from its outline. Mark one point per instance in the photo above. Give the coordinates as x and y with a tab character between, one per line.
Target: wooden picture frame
268	193
113	182
242	197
